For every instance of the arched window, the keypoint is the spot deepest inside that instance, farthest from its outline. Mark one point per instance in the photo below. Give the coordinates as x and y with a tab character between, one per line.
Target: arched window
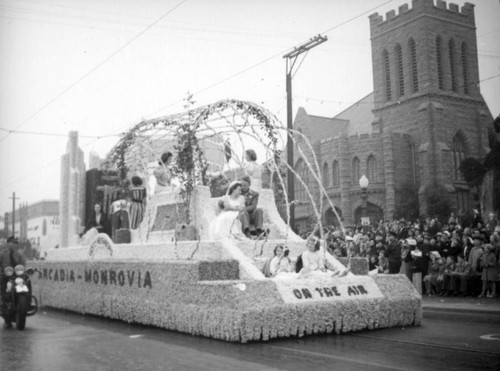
401	78
303	173
413	65
356	170
335	173
465	72
458	149
371	168
439	62
387	75
453	75
326	175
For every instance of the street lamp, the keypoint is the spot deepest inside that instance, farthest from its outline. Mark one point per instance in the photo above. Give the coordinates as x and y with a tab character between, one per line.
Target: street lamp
364	183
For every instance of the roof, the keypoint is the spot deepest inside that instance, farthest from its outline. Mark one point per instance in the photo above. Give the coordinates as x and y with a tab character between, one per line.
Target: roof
317	127
356	119
359	115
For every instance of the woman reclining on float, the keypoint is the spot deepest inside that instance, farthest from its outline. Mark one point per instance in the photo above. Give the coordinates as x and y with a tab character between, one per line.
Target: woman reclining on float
313	260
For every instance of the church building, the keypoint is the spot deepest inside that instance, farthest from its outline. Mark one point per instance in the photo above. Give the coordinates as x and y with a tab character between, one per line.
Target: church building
424	117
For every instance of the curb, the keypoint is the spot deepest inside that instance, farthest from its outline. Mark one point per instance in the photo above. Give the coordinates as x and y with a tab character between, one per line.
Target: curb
454	310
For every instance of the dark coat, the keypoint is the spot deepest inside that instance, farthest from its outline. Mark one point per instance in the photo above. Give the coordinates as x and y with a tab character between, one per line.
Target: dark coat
10	257
251	200
393	251
102	226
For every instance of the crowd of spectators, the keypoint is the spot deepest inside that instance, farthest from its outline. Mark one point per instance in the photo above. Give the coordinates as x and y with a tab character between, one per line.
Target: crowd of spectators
454	257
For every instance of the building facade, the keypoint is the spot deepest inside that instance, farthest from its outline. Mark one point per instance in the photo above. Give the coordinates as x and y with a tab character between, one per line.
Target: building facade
424	117
38	223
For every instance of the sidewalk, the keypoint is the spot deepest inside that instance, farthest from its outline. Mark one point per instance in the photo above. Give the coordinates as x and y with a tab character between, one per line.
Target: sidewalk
461	304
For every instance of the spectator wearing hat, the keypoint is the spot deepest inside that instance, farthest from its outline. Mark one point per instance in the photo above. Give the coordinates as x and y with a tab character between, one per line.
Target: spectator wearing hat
477	219
476	253
475	260
406	259
489	274
393	254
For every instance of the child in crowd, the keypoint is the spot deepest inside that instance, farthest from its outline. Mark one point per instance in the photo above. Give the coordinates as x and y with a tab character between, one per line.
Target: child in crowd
373	263
459	277
431	279
383	265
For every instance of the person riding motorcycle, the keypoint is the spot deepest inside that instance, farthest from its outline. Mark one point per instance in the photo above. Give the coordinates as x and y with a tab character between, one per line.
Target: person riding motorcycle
10	256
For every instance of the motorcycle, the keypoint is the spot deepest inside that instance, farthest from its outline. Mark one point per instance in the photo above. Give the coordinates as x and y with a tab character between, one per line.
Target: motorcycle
20	302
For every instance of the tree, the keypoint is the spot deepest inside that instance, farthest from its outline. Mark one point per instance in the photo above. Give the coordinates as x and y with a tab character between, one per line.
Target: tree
473	171
407	203
218	185
437	201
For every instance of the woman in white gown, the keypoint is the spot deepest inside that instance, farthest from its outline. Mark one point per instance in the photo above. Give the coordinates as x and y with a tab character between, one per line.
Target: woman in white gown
227	224
314	263
253	169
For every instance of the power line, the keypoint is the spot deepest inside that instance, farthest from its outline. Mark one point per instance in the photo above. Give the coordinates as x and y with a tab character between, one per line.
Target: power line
93	69
53	134
265	60
221	28
214	84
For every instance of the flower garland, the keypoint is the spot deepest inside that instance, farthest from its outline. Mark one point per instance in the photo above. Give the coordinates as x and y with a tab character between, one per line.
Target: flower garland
191	166
102	240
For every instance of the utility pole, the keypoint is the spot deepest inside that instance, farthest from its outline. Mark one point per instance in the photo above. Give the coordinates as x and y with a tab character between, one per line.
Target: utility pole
291	59
14	198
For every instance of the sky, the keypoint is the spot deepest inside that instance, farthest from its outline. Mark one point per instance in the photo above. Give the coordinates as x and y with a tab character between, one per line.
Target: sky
99	67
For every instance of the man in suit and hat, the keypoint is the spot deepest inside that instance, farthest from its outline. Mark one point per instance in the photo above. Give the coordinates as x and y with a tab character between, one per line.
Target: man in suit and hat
252	215
393	253
9	257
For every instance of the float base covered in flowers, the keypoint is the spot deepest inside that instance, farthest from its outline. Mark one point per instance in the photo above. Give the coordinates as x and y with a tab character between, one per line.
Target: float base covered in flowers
207	298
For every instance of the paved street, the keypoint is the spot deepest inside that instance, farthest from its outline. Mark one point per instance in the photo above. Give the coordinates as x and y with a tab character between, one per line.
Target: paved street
56	340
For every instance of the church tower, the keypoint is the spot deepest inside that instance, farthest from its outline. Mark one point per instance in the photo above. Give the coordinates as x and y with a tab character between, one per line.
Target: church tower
426	85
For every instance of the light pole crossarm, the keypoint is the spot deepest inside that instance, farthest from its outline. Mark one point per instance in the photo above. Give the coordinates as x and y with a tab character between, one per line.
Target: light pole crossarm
313	42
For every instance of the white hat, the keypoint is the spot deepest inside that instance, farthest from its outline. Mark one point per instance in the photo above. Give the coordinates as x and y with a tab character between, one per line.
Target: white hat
411	242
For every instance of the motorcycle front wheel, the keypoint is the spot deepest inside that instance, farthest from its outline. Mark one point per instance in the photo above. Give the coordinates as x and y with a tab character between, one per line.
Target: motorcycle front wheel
22	308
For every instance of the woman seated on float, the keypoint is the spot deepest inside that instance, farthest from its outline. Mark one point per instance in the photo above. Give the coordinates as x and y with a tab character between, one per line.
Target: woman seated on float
98	223
314	262
279	264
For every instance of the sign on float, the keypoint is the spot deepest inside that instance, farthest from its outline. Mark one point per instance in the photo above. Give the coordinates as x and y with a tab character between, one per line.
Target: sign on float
334	289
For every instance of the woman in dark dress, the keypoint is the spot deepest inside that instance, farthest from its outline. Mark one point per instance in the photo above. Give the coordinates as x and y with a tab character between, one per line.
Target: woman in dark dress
97	223
137	195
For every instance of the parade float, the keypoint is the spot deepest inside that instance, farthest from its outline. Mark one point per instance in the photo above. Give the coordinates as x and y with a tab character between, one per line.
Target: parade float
186	282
